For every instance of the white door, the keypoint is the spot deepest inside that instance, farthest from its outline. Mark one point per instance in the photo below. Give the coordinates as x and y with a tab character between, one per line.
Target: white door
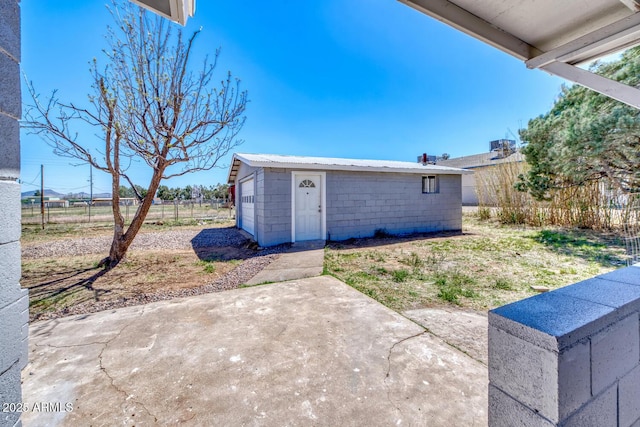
308	208
247	221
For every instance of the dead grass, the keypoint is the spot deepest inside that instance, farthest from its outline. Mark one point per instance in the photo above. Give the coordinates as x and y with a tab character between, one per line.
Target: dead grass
488	266
35	233
57	284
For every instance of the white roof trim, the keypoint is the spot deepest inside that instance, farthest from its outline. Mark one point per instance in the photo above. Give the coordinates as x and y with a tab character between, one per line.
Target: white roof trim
337	164
175	10
523	30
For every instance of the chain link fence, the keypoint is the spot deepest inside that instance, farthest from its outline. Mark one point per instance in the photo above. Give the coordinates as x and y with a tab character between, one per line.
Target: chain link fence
631	227
67	212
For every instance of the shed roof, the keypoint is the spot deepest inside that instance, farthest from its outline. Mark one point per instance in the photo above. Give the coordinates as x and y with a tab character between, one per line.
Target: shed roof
337	164
480	160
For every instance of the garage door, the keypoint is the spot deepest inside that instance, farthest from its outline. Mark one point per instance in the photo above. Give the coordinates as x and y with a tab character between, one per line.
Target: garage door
246	206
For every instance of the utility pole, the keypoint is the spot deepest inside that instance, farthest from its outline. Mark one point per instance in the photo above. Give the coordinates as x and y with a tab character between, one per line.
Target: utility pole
42	194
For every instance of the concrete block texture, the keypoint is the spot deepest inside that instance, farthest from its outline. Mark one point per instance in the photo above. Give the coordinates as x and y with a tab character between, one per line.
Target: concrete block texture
601	411
629	398
592	329
10	213
10	101
9	271
358	203
553	320
574	385
614	352
629	275
10	28
614	294
504	411
13	317
525	371
9	147
10	392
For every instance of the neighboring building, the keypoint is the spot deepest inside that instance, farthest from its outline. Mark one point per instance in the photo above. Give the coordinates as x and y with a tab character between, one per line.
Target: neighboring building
283	199
49	202
503	151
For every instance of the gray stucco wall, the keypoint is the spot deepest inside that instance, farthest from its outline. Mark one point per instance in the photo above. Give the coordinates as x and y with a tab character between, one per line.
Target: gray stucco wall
14	303
358	203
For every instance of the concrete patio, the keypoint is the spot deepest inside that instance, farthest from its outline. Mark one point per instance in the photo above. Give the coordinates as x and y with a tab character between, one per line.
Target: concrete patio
305	352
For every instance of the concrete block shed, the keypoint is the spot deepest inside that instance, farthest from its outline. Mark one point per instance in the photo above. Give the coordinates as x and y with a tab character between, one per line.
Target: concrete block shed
283	199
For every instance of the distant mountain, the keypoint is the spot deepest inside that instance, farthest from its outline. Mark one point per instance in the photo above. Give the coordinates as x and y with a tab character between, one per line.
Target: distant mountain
81	195
47	192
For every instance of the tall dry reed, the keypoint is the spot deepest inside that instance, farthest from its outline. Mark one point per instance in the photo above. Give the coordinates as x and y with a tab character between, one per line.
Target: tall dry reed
596	205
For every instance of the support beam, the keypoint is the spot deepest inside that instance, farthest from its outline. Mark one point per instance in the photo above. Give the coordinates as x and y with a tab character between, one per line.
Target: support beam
461	19
632	4
611	88
612	38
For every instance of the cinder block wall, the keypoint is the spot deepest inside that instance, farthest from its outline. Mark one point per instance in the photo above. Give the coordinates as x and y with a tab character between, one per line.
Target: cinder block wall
273	206
243	172
570	357
360	203
14	302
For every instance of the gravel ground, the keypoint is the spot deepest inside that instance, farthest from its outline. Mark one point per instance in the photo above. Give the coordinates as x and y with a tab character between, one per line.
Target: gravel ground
175	239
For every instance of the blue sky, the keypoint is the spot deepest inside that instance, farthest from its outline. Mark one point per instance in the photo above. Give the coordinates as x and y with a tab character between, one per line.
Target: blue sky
337	78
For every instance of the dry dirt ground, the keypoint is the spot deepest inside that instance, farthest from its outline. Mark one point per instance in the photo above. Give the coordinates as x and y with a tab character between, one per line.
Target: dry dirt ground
486	266
62	276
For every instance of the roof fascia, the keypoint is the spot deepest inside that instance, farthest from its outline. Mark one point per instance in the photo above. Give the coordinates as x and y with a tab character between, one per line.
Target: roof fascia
611	88
351	168
612	38
459	18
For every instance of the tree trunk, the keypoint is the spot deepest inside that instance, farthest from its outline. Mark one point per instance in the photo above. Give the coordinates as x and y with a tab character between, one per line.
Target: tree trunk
122	240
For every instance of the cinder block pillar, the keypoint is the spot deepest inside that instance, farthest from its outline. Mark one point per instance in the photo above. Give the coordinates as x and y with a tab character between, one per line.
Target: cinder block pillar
570	357
14	303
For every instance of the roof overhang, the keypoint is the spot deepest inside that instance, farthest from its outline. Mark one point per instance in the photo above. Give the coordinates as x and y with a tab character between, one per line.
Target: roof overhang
551	35
175	10
335	164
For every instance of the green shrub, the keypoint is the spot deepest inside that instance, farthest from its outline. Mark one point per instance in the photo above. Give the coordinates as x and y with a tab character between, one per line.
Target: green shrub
502	284
399	275
484	213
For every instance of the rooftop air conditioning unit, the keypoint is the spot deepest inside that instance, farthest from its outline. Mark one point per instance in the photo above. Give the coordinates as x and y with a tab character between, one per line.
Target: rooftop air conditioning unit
175	10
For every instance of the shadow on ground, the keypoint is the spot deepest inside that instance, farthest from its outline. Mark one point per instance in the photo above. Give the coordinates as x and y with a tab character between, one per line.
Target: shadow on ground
606	250
226	244
383	240
61	287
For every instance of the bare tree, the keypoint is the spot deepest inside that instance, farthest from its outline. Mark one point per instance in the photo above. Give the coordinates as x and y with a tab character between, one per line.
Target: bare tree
150	108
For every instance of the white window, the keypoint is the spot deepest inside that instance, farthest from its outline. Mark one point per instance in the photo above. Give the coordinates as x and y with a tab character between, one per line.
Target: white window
430	184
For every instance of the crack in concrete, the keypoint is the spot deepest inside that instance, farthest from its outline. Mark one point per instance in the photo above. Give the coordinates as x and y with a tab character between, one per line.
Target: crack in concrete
112	380
9	368
426	331
452	345
386	377
71	346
